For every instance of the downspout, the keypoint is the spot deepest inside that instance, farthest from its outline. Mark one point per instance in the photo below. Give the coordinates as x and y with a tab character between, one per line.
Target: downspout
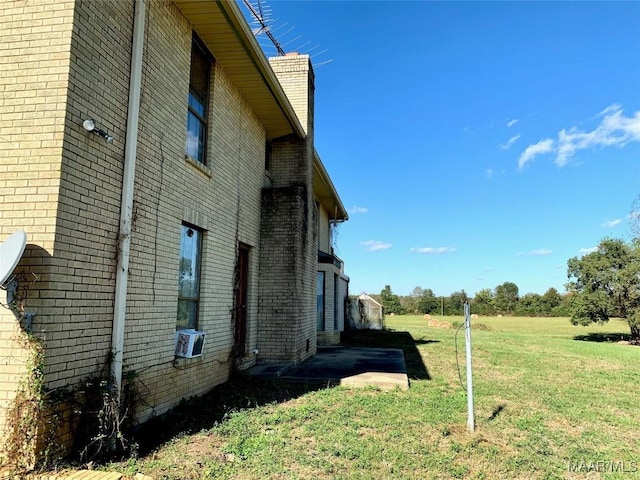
126	203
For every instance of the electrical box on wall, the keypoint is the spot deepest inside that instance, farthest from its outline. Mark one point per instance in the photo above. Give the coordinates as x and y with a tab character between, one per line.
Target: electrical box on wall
189	343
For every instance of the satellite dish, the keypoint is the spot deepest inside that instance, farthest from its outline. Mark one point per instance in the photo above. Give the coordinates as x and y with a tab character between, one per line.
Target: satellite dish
11	251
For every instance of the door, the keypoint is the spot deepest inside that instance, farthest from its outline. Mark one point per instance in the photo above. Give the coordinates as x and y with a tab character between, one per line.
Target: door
242	286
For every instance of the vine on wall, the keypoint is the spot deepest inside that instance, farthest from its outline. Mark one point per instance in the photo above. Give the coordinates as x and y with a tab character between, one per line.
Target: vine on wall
25	414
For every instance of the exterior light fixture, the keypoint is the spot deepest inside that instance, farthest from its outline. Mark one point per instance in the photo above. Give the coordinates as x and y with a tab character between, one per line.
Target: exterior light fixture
90	126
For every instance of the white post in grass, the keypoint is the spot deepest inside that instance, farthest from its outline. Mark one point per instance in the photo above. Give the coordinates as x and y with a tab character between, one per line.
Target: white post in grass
467	335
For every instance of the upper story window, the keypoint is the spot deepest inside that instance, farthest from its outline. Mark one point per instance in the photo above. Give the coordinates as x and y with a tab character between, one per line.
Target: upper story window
201	60
189	277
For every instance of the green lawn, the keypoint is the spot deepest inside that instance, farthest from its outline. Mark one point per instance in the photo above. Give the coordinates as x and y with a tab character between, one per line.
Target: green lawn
545	403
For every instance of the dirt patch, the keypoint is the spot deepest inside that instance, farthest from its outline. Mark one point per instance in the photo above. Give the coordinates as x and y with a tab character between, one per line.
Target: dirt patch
205	445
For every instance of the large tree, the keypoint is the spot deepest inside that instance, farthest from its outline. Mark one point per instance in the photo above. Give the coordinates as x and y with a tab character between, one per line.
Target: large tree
506	297
455	303
427	302
605	284
551	300
482	303
531	305
410	302
390	301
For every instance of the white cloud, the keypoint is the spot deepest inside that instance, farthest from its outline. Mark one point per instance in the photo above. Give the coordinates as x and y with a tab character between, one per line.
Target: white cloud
511	123
357	209
538	252
585	251
614	130
489	172
532	151
375	245
433	250
611	223
510	142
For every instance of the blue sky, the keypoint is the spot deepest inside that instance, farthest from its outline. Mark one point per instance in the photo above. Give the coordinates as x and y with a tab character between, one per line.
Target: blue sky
473	143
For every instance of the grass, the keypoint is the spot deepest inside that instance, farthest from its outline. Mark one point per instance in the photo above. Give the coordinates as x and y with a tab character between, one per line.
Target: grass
544	401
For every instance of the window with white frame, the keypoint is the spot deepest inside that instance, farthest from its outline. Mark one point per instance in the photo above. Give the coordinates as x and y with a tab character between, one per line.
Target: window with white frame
189	277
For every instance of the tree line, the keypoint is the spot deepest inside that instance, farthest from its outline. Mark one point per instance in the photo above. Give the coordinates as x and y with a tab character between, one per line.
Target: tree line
504	299
601	285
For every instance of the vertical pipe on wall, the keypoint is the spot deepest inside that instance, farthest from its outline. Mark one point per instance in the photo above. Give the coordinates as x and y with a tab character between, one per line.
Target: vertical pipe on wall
126	204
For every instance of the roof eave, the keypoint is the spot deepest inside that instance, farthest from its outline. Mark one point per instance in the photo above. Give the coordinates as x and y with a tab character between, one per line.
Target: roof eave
326	192
222	27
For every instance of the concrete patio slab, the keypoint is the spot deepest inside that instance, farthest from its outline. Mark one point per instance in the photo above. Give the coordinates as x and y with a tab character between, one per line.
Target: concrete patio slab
270	371
349	366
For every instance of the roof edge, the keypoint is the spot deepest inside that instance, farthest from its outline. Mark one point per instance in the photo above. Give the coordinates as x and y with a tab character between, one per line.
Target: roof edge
326	179
235	15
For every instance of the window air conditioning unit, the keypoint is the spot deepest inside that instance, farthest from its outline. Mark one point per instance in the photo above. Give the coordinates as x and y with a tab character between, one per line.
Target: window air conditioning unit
189	343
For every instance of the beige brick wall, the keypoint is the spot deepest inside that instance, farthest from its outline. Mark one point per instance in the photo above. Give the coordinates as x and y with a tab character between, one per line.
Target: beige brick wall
34	58
296	76
289	233
79	333
63	186
63	62
336	287
324	235
223	199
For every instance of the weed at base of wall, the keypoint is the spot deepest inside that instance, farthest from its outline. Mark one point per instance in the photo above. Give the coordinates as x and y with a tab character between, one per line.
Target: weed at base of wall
24	416
48	428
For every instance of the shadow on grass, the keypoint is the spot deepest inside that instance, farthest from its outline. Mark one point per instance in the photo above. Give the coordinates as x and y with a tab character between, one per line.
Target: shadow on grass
603	337
242	393
202	413
416	369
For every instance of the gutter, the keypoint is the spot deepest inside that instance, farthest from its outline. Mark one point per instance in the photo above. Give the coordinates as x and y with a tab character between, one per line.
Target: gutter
126	203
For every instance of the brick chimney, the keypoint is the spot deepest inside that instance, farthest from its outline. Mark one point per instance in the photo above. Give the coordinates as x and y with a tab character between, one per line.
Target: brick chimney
295	74
289	229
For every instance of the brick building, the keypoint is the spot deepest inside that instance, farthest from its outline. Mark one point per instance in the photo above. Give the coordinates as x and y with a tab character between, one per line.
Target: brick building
193	199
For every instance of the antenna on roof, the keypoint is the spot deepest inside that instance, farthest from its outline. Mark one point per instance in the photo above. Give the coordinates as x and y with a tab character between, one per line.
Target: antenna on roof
262	16
263	24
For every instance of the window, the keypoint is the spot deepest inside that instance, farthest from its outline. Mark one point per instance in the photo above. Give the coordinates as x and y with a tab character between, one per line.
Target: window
189	277
320	301
196	147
